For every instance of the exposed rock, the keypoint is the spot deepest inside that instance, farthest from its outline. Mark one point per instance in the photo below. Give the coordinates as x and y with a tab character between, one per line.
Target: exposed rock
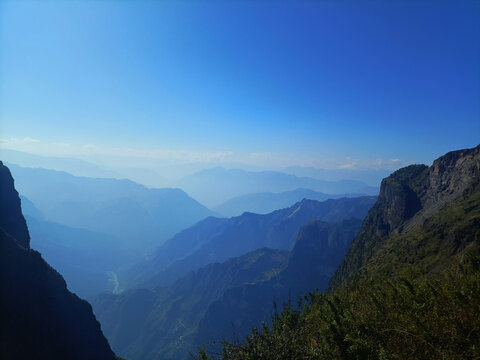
407	199
11	217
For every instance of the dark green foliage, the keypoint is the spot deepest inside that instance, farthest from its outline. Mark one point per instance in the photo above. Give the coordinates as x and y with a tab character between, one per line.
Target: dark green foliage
400	319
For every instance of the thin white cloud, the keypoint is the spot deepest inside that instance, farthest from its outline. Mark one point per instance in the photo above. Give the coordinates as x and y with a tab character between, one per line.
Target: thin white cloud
373	164
13	140
266	160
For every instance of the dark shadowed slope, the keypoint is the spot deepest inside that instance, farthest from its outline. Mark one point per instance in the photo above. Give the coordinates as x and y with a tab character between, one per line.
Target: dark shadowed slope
215	240
266	202
11	218
40	318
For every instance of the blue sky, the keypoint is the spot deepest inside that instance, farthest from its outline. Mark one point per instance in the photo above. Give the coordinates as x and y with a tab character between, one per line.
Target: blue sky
329	84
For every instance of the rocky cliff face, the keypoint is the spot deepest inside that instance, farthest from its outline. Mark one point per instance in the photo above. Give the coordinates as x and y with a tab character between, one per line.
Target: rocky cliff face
40	318
447	179
398	200
408	199
11	217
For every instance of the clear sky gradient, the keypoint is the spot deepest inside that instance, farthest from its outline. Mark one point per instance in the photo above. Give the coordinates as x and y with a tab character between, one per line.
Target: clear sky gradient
290	80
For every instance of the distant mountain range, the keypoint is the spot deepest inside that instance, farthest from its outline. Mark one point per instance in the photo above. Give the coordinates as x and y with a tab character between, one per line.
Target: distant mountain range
372	177
266	202
215	240
141	217
214	186
219	298
72	166
164	174
40	318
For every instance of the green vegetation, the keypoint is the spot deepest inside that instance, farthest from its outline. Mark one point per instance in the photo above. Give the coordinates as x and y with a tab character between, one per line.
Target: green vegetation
400	319
433	246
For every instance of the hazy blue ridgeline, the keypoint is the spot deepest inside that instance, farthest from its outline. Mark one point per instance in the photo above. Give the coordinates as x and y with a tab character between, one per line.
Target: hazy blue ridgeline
215	240
217	185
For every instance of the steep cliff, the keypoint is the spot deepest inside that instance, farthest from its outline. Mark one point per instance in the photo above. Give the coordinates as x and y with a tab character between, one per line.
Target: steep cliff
419	208
40	318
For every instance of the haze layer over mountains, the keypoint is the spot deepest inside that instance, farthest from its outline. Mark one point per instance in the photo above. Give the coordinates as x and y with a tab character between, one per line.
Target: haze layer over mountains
97	227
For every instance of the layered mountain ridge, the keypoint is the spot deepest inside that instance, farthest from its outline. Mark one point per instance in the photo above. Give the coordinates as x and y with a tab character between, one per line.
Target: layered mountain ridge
318	250
142	218
162	323
216	185
221	298
266	202
215	240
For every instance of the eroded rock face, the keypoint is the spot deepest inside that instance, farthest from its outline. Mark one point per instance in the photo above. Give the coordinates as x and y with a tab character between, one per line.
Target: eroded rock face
450	175
407	198
399	199
413	193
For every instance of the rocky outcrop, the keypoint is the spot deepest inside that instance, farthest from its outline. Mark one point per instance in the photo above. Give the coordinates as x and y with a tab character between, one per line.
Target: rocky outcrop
40	318
398	201
407	199
446	180
11	217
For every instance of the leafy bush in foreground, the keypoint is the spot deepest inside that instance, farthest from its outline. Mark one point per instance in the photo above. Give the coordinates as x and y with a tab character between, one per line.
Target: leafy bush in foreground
397	319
